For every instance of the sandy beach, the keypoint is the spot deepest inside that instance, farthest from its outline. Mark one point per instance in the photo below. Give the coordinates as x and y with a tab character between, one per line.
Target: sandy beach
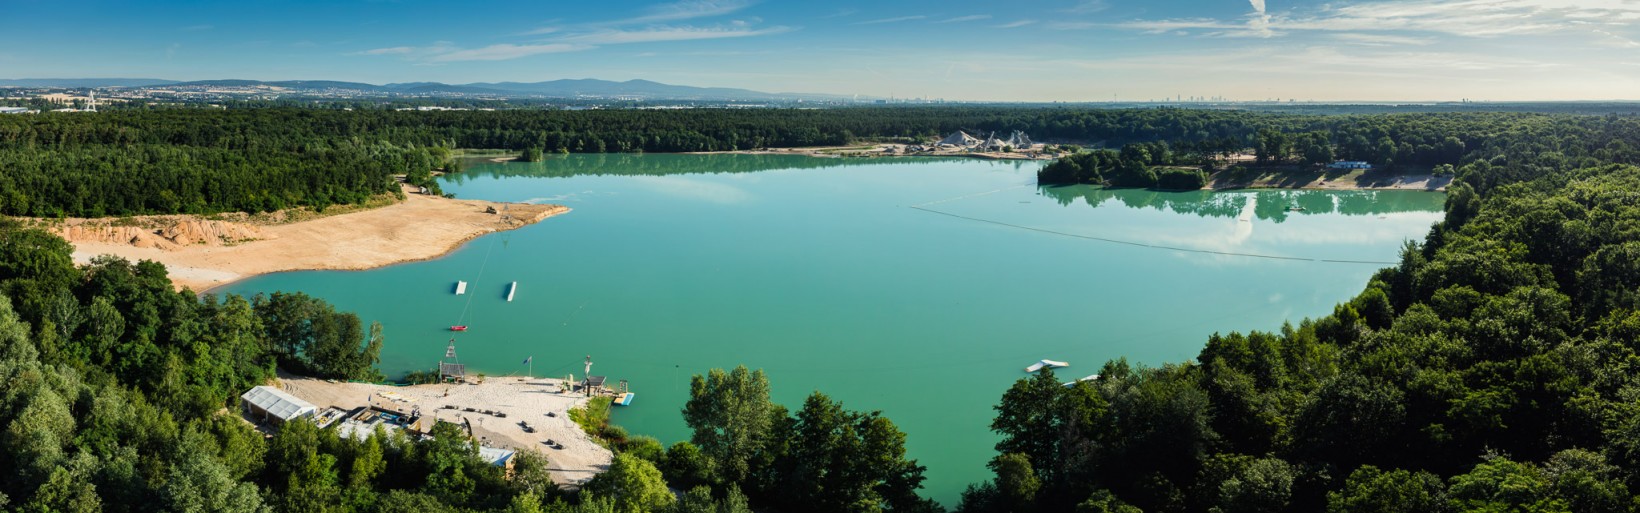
1254	178
522	399
205	252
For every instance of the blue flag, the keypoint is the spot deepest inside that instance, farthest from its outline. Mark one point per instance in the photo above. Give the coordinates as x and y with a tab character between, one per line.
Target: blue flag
527	360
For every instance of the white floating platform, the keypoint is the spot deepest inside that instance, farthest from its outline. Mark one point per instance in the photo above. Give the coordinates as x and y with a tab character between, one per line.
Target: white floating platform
1046	364
461	288
1090	377
512	290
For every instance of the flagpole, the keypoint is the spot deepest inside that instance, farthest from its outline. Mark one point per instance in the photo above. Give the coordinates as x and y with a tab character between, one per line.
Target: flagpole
531	374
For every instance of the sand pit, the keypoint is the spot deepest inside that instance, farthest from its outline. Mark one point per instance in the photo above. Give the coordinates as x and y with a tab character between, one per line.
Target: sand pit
522	399
202	253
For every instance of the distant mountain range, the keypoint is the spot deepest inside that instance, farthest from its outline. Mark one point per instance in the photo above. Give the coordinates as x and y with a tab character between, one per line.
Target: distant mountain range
566	88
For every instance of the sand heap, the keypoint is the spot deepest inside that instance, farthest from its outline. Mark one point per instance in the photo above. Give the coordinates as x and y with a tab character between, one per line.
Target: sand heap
159	232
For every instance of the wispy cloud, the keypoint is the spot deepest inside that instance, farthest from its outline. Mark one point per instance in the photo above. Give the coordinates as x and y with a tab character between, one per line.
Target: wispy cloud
842	13
1606	19
663	13
396	50
502	52
685	10
1016	24
1258	23
893	20
971	17
445	52
1088	7
657	34
1383	39
197	28
588	36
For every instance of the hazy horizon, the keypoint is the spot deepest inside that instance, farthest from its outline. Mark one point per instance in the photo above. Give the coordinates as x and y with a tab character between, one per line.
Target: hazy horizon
1071	50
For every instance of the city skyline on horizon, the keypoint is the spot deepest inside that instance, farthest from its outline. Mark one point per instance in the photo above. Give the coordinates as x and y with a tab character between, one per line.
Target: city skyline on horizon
1069	50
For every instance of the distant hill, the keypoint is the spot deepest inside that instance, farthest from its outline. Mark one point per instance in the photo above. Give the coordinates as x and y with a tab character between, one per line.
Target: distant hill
565	88
84	82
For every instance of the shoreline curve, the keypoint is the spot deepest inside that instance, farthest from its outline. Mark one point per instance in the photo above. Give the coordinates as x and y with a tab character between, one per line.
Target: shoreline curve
204	253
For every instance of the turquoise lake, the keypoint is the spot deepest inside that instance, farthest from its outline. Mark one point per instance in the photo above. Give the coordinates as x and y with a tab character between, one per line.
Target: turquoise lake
919	287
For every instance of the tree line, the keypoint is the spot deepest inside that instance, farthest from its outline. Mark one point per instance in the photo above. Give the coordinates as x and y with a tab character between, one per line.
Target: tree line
204	161
1487	149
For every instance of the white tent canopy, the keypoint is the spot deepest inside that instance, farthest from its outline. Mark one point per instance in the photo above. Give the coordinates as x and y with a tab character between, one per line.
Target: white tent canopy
276	403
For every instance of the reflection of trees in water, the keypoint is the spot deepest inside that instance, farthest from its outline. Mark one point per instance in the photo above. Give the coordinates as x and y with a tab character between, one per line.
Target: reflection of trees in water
1272	205
627	164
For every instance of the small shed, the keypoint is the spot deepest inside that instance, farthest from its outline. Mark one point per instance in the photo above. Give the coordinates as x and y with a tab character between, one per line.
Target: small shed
270	404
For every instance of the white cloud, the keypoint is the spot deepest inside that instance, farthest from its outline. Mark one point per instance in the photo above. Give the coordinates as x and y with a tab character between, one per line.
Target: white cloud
1016	24
676	11
658	34
503	52
685	10
971	17
1088	7
1383	39
1465	18
444	51
893	20
396	50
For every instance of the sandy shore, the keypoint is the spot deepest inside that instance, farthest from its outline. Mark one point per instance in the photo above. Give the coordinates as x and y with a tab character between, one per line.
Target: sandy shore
201	253
1351	180
522	399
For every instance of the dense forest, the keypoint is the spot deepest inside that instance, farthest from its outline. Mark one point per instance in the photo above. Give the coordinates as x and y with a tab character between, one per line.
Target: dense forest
207	161
1493	369
1486	148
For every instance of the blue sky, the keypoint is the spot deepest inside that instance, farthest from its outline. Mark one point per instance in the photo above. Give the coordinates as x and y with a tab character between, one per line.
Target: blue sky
1069	50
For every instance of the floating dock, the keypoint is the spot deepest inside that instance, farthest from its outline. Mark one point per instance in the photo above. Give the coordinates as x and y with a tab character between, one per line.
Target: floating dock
1046	364
513	289
625	399
1090	377
461	288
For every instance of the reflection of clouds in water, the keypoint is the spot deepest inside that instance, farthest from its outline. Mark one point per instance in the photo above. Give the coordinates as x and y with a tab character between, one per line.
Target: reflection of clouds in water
561	198
688	188
1280	239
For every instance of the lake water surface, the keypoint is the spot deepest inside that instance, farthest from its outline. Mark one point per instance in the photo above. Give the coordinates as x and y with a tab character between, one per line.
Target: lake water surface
917	287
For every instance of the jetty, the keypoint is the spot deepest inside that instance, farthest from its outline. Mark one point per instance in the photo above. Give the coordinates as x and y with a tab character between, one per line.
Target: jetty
1046	364
513	289
461	287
